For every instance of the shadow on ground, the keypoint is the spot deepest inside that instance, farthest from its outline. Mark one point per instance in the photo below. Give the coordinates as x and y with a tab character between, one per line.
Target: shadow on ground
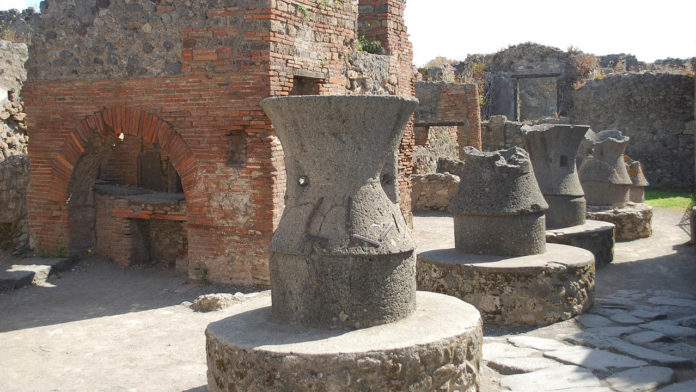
96	287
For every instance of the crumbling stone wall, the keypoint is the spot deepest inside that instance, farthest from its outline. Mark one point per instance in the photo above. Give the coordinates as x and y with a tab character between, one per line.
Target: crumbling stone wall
14	164
434	191
433	143
369	74
523	82
189	76
656	110
499	133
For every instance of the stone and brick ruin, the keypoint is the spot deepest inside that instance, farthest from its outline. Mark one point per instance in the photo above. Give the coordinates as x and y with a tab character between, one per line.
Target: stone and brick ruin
148	143
653	104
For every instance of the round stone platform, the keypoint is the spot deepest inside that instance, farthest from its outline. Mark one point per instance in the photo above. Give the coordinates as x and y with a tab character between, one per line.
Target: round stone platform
436	348
595	236
527	290
632	222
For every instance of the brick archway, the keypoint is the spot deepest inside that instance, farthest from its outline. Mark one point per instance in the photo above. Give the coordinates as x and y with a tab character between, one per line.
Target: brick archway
111	123
75	166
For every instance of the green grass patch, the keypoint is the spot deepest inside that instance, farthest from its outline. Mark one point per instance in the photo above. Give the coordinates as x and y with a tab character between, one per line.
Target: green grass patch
668	198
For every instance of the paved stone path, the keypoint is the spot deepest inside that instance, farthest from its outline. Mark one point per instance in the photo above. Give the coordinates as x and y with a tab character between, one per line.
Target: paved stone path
629	341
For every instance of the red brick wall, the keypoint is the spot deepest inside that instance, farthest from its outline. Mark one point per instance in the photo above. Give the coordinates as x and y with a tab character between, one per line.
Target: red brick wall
194	115
232	210
469	134
449	104
120	235
121	166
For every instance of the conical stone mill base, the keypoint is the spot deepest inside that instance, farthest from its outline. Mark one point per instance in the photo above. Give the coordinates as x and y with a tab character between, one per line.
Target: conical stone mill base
510	274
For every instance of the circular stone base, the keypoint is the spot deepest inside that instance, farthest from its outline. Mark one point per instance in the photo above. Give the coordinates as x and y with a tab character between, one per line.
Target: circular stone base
595	236
632	222
436	348
527	290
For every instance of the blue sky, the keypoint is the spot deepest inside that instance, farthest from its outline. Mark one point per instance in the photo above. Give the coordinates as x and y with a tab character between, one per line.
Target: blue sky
19	4
455	28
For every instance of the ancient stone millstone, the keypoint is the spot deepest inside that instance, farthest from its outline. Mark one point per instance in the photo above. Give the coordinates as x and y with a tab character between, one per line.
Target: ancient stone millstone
342	255
498	209
603	174
638	180
553	149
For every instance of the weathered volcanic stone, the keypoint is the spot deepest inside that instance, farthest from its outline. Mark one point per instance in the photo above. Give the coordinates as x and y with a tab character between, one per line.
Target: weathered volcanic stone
603	174
595	236
528	290
553	149
433	192
632	221
638	180
498	209
585	148
342	255
436	348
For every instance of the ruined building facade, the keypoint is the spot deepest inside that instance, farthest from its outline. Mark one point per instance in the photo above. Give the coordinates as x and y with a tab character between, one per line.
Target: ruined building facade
147	139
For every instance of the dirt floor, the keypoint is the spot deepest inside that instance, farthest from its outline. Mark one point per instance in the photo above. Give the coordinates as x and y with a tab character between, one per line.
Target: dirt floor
101	327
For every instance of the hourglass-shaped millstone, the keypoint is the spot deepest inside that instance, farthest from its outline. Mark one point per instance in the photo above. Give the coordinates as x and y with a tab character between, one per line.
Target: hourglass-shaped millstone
638	180
603	174
552	149
498	209
342	255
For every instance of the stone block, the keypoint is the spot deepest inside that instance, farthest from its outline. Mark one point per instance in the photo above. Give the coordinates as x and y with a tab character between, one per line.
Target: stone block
632	222
433	192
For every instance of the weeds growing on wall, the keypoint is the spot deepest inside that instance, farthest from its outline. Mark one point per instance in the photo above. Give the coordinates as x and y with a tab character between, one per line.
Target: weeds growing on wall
8	33
586	64
367	45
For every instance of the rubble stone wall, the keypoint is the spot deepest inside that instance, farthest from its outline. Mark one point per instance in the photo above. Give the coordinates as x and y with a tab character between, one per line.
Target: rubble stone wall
14	163
656	110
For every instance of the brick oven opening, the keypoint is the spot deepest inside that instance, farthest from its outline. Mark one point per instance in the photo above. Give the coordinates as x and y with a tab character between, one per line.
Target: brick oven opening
138	204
